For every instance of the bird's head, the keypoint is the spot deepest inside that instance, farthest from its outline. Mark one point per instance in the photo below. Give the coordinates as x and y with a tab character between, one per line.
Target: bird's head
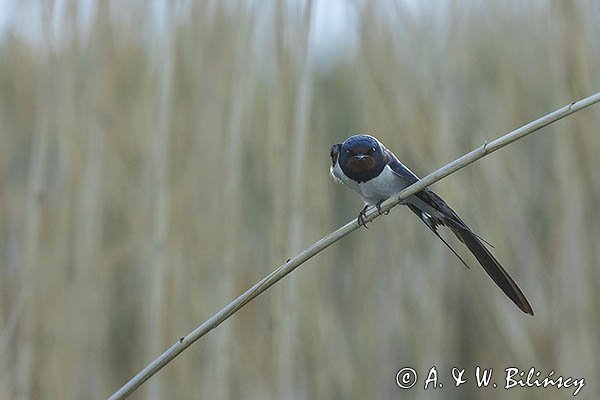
361	157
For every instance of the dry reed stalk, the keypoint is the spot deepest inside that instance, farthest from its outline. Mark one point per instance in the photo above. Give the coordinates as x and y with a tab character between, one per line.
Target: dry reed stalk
283	270
287	354
160	187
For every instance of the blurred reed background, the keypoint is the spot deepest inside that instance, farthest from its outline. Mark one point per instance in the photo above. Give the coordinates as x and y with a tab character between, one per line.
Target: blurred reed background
158	158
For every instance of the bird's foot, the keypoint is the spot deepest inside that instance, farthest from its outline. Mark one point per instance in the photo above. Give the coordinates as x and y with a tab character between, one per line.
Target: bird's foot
378	205
361	217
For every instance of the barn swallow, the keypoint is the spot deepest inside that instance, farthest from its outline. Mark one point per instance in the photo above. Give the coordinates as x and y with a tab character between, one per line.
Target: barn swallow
365	165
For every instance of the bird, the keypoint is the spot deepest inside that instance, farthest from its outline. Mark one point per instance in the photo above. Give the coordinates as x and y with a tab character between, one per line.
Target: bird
365	165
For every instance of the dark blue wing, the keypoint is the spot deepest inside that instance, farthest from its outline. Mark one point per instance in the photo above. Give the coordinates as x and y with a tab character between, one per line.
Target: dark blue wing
398	168
434	211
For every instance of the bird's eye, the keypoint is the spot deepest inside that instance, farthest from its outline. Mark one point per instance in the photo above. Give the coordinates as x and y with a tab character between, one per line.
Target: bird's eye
372	150
349	152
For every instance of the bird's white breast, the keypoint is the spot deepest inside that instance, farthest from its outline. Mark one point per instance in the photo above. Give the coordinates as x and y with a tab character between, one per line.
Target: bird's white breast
374	190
